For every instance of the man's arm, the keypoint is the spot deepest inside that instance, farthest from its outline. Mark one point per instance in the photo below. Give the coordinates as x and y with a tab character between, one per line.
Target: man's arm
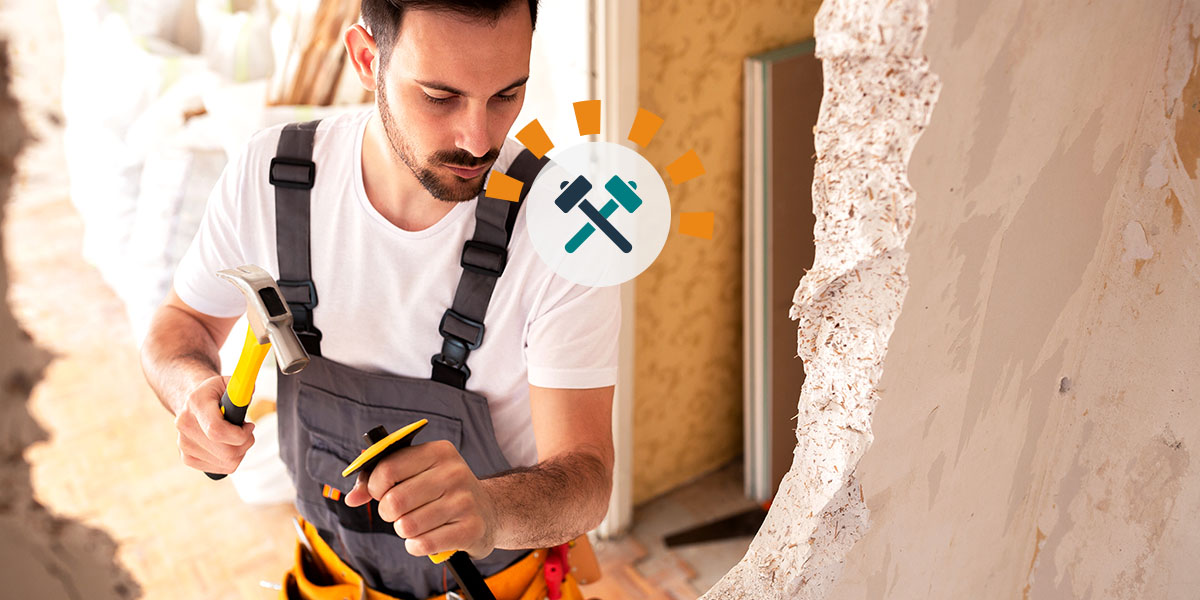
181	350
180	361
566	494
433	500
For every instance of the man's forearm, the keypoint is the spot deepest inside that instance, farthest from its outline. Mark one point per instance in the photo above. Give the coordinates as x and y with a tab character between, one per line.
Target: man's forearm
550	503
177	355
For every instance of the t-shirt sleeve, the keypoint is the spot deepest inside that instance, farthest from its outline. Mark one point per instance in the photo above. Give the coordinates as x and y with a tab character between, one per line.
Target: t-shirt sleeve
572	339
216	246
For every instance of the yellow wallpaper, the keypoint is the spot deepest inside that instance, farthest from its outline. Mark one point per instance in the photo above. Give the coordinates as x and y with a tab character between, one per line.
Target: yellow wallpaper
688	406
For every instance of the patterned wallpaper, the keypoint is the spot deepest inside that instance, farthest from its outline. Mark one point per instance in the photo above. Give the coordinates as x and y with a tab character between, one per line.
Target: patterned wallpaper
688	406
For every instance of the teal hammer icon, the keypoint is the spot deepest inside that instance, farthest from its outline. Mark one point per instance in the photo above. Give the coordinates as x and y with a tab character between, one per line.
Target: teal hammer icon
623	195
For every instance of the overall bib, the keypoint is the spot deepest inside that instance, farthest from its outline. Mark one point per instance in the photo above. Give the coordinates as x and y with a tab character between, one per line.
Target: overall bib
325	409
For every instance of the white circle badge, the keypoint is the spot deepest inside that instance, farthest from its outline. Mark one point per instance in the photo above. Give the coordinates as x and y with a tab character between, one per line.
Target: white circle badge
598	214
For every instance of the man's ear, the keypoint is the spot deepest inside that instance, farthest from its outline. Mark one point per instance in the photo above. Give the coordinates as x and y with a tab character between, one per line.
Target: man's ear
364	55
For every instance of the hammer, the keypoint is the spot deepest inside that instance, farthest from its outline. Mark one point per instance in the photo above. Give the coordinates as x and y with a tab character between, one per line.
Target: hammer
624	194
572	195
270	326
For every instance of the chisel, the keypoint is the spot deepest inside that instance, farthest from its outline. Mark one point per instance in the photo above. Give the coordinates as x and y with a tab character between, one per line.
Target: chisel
381	444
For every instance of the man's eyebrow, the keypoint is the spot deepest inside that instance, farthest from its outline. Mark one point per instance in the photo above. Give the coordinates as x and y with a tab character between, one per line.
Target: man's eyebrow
434	85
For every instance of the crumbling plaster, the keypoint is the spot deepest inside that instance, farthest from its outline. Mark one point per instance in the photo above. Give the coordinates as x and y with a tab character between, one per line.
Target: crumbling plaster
1037	413
1032	423
879	93
41	555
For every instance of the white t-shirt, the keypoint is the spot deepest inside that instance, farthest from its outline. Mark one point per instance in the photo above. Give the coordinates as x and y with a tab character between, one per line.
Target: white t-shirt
382	290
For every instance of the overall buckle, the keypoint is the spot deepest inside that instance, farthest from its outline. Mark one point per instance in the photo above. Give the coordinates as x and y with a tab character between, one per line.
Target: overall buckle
301	298
293	173
462	329
484	258
460	335
309	298
450	365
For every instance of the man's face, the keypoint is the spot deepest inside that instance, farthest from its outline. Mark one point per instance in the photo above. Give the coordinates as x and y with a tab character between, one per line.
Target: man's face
450	92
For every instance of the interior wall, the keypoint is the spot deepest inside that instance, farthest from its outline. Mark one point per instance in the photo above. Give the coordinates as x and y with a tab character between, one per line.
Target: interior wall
1036	426
688	381
41	555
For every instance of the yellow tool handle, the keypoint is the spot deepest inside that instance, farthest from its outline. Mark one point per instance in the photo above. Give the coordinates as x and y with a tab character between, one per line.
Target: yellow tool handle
382	445
441	557
241	385
245	374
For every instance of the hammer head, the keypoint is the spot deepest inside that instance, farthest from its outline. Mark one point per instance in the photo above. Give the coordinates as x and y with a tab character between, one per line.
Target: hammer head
269	316
573	193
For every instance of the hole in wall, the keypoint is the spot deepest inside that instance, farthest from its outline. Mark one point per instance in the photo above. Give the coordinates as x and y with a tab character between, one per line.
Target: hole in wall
879	94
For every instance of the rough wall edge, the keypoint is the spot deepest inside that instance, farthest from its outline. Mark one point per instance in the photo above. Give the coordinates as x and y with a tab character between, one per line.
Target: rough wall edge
42	555
879	94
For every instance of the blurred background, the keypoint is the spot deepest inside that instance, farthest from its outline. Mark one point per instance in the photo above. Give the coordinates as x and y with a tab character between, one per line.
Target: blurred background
130	110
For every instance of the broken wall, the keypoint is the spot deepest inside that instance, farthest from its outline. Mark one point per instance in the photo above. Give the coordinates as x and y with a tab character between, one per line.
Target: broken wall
41	556
1037	421
878	95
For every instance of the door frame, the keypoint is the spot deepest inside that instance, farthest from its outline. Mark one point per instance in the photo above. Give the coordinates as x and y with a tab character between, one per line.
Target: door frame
615	57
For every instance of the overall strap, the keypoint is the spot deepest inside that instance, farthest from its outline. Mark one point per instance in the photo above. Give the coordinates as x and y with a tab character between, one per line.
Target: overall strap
293	173
484	257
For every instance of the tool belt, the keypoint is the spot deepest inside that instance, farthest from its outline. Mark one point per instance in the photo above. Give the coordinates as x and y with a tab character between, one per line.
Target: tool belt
554	573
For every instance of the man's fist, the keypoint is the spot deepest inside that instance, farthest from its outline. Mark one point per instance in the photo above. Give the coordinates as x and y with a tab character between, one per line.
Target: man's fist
432	499
206	440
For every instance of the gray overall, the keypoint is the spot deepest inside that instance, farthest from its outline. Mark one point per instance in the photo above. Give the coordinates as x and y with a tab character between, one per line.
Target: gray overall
325	409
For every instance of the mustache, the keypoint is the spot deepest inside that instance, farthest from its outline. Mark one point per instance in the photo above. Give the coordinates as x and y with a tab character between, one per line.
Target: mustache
462	158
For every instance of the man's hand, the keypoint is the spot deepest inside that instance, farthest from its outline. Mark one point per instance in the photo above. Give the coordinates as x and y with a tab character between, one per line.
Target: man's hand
179	357
432	499
207	441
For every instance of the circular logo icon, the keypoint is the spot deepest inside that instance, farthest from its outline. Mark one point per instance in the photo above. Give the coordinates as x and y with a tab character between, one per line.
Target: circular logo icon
598	214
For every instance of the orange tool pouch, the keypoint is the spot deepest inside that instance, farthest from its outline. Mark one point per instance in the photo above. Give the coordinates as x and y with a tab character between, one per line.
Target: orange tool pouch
540	574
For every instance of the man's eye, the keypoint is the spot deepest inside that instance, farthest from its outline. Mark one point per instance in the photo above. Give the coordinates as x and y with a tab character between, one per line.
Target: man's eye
437	100
507	98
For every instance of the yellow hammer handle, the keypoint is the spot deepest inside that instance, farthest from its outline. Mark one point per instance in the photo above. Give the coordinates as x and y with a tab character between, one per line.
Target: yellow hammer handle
241	385
245	374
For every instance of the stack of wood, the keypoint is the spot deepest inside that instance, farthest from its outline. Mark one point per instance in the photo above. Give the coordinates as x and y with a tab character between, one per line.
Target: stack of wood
317	71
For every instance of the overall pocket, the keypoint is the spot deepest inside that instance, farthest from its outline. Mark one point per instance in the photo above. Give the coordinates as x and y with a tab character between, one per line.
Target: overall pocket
334	425
328	408
341	421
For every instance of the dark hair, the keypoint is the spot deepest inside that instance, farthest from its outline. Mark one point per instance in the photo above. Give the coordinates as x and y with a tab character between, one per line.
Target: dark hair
382	17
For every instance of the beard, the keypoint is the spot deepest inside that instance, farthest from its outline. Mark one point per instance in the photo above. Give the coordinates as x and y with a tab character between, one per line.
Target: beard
445	186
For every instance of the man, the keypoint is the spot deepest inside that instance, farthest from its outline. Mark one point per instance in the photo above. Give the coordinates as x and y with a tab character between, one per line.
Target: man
522	456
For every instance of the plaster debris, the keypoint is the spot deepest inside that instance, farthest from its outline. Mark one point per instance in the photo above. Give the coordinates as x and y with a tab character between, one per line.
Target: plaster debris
879	94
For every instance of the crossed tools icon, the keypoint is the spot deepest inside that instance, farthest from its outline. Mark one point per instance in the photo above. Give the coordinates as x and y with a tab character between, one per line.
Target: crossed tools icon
572	195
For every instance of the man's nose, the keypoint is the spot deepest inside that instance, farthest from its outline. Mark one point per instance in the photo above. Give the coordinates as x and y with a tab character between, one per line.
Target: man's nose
473	130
